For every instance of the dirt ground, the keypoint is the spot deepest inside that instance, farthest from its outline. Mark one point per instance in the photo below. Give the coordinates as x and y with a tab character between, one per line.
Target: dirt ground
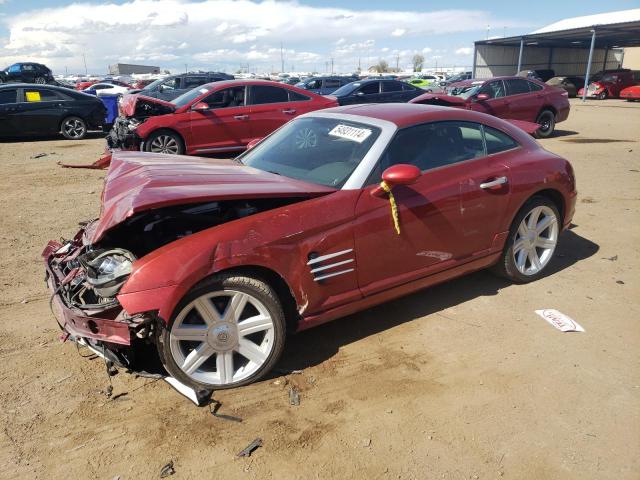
461	381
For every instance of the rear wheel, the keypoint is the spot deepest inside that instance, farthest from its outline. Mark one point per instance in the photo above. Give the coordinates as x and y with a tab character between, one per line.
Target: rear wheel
73	128
532	241
603	95
227	332
40	80
547	122
165	142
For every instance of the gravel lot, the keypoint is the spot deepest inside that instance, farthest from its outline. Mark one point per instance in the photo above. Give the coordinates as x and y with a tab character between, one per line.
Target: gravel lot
459	381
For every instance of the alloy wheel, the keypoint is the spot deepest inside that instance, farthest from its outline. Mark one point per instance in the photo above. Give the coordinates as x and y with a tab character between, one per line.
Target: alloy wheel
74	128
222	337
535	240
40	80
164	144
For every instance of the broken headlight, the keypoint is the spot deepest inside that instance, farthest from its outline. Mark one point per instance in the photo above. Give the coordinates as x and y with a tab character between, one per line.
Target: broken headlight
107	270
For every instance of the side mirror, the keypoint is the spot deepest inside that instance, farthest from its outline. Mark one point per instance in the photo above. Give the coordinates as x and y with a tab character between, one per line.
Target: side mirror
401	174
253	143
200	106
481	97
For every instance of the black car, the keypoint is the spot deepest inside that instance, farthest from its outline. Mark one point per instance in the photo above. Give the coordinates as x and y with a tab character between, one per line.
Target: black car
173	86
376	91
30	110
324	85
26	73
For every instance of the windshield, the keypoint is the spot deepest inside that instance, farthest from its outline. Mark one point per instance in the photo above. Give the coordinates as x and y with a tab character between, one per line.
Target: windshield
608	78
323	151
346	89
464	91
190	96
154	84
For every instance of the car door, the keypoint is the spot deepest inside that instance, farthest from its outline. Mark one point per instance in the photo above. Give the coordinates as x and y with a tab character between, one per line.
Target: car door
367	93
497	104
391	91
269	110
224	126
41	111
523	104
446	218
8	109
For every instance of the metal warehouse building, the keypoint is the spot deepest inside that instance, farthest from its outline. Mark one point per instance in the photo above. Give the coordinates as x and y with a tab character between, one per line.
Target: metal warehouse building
129	69
576	46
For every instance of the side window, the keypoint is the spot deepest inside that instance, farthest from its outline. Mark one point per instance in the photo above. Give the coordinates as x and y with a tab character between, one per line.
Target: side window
8	96
314	84
391	87
40	95
370	88
262	94
498	141
434	145
27	68
407	87
193	82
14	68
297	97
534	87
330	83
226	98
493	89
170	84
517	86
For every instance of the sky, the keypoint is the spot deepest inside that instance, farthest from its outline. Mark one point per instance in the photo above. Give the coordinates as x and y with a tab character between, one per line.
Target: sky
229	35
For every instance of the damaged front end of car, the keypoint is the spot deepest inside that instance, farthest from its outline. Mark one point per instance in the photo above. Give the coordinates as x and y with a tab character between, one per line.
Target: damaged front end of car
134	111
85	282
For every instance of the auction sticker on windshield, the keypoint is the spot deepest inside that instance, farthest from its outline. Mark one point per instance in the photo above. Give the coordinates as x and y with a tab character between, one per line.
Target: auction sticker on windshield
354	134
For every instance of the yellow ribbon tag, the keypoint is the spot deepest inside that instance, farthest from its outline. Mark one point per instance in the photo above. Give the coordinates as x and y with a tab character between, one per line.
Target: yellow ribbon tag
394	207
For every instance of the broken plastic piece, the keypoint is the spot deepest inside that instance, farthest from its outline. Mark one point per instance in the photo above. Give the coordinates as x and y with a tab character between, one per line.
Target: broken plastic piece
248	450
559	320
294	396
167	470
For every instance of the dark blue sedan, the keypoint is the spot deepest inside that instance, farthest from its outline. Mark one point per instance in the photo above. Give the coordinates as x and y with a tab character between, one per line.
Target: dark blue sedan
376	91
324	85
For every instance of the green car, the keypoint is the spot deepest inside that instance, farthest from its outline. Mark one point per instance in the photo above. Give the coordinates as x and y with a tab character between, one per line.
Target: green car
424	82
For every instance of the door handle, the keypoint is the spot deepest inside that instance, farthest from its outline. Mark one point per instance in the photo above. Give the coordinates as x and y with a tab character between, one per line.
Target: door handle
241	117
494	183
289	111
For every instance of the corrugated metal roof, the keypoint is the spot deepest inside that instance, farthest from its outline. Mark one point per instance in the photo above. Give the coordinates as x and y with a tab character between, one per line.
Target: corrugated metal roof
600	19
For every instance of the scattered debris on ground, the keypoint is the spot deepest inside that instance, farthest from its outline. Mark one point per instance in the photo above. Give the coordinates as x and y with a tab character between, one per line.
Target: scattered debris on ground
249	449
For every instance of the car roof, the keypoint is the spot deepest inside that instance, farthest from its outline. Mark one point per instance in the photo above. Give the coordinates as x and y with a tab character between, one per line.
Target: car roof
253	81
32	85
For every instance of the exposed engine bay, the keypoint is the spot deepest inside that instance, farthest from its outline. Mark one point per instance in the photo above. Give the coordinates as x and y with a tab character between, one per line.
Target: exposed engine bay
122	134
87	278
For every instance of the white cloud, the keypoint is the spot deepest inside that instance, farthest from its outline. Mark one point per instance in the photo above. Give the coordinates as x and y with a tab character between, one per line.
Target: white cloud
221	32
427	50
464	51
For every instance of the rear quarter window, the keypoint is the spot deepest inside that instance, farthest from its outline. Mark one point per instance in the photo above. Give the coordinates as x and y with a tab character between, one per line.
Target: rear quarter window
498	141
8	96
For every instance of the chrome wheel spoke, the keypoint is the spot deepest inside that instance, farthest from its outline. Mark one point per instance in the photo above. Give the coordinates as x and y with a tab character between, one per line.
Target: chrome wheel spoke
519	245
534	261
224	365
251	351
197	357
259	323
197	333
533	218
542	242
236	307
207	311
521	259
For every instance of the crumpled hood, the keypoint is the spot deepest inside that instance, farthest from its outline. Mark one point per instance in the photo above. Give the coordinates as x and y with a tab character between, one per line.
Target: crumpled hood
132	103
139	181
439	99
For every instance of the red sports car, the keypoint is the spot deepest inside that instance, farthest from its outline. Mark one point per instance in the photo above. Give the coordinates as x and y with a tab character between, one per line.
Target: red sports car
631	93
609	84
217	117
513	98
214	261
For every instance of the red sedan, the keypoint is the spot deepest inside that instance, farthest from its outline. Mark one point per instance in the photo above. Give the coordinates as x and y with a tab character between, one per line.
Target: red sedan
513	98
217	117
213	261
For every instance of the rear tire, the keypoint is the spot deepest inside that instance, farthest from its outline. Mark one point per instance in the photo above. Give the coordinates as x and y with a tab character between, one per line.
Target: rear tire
73	128
547	122
164	141
531	243
227	332
603	95
40	80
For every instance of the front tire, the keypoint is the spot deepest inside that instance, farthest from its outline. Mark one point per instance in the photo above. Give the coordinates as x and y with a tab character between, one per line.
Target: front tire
603	95
73	128
227	332
166	142
532	241
547	122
